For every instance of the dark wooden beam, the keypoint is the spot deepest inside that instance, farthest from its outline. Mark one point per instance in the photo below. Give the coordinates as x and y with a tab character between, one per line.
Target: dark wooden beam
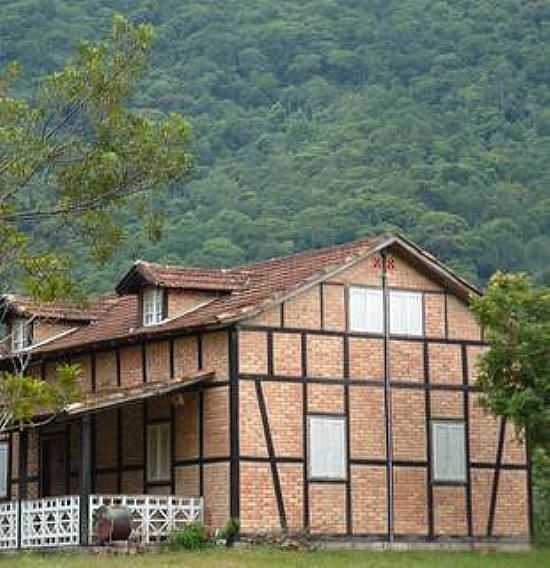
85	475
271	453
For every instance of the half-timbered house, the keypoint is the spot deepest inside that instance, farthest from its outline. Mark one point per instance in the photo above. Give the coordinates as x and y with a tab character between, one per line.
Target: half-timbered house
330	392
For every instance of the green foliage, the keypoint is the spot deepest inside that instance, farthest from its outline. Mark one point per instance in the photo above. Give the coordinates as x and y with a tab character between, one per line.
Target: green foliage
515	373
25	397
74	154
230	529
541	501
192	537
320	121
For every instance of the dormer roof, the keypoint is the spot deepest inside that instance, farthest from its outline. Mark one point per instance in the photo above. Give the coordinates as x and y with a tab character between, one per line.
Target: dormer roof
145	273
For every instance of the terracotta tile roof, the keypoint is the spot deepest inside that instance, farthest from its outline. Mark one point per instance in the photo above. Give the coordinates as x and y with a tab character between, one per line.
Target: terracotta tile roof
260	285
25	306
143	272
117	396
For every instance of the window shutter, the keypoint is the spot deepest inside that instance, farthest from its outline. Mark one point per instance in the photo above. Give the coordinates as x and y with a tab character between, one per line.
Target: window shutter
327	453
406	317
366	310
449	451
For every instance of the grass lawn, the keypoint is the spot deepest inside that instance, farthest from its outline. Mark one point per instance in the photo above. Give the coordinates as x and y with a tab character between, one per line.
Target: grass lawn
269	558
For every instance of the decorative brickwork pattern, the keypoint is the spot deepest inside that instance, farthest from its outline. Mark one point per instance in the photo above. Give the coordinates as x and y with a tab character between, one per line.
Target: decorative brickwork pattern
216	422
445	363
409	424
434	315
369	500
304	311
450	511
325	356
366	358
334	310
158	361
410	501
284	412
406	361
287	354
216	494
367	423
253	352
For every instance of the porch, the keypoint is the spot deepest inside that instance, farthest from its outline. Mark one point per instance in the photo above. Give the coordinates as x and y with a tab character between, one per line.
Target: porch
133	449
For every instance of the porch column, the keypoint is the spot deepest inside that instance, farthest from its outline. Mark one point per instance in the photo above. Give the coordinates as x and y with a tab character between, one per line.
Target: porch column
23	463
85	474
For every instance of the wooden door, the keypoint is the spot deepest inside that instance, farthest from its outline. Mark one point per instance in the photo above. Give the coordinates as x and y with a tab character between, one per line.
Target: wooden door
54	465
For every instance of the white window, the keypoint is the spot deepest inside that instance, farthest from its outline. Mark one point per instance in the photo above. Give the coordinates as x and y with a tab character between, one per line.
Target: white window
4	456
366	306
327	447
21	331
158	452
153	304
406	317
449	451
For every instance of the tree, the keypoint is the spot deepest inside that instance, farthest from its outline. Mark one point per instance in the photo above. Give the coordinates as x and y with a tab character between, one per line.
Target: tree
515	372
73	156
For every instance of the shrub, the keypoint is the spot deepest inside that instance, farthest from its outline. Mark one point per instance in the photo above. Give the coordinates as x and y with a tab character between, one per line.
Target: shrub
192	537
230	529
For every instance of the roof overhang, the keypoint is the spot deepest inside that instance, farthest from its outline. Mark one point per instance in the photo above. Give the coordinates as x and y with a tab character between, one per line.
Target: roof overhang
105	401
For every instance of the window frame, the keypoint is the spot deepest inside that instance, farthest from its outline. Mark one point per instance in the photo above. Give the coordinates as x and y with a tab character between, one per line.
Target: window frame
341	418
404	292
21	334
152	306
154	468
5	495
436	475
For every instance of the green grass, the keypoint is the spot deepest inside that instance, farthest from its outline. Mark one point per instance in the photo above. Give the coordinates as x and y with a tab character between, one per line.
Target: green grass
272	559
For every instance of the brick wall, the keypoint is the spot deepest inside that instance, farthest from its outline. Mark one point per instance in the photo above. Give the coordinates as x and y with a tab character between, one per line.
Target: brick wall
181	301
446	317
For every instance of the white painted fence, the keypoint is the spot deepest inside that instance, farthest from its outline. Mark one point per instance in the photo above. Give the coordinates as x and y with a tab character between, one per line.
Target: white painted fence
9	525
55	521
50	522
153	517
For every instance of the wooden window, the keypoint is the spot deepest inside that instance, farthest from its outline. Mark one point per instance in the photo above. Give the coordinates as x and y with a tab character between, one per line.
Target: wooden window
327	447
406	317
153	306
4	461
449	451
158	452
21	334
366	308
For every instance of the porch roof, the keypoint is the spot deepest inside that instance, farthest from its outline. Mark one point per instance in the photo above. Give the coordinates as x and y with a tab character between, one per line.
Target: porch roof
105	400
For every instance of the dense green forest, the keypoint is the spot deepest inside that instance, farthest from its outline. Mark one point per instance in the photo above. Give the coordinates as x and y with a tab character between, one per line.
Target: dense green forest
318	121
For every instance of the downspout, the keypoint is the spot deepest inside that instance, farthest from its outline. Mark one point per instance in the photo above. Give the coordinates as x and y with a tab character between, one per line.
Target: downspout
387	400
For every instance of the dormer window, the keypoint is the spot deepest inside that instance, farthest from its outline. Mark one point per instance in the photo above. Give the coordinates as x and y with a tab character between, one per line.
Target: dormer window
21	334
153	306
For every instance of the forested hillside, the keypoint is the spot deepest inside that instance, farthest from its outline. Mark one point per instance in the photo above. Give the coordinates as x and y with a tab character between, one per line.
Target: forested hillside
318	121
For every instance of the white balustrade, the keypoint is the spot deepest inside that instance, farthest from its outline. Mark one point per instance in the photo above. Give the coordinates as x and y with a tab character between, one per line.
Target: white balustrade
50	522
153	517
9	525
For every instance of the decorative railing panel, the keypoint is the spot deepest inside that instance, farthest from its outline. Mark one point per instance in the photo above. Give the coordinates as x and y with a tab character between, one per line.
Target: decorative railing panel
49	522
9	525
153	517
